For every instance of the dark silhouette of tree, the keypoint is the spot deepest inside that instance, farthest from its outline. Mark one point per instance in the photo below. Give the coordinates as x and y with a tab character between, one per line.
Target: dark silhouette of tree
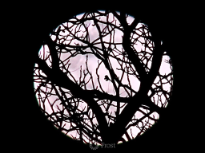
116	90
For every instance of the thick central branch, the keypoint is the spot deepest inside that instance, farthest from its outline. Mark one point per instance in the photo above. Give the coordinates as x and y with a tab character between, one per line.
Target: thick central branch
146	82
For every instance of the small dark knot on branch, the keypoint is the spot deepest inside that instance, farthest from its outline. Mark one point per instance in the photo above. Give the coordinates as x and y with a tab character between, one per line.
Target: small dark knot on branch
106	78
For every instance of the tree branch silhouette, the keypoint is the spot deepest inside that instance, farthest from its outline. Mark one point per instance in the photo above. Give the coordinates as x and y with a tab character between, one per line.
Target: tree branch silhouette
79	101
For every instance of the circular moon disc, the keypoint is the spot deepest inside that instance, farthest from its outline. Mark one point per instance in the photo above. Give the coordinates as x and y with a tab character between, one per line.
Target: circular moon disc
90	52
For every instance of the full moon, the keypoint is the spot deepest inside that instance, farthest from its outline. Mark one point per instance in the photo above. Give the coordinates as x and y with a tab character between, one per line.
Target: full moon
90	51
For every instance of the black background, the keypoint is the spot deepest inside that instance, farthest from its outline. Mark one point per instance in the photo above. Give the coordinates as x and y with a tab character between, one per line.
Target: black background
30	131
